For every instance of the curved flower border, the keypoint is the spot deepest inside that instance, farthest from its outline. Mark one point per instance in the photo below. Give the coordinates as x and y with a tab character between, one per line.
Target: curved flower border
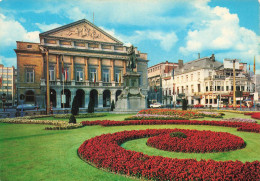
197	142
104	152
241	126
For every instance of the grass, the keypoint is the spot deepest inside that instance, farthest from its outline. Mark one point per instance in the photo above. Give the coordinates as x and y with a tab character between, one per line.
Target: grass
28	152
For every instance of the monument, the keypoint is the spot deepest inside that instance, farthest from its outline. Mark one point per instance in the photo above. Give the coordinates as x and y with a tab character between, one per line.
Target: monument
131	99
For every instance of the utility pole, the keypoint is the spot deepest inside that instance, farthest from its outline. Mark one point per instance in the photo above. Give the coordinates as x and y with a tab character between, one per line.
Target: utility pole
234	85
47	83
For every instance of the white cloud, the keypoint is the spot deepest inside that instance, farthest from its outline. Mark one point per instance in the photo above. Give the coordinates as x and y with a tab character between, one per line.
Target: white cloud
221	32
76	13
8	62
12	31
43	27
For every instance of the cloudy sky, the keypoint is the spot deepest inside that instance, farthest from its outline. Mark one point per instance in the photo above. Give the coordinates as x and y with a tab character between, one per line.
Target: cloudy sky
165	29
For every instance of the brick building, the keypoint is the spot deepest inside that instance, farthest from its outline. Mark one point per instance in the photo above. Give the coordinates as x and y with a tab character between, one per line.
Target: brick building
93	64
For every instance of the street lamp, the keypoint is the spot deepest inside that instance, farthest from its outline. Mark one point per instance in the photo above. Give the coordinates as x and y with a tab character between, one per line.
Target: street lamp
234	85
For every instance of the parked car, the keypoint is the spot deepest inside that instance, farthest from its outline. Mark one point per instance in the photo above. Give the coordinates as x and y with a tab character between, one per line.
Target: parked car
178	105
156	105
26	107
198	106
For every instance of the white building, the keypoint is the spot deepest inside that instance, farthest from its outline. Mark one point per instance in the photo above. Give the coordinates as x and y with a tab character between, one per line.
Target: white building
209	82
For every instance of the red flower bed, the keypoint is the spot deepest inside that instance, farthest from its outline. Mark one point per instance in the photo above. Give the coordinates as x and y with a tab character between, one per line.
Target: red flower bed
255	115
248	113
197	141
248	127
104	152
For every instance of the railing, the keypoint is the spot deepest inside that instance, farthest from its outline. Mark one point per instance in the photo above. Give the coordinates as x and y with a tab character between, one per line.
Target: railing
94	84
107	84
80	83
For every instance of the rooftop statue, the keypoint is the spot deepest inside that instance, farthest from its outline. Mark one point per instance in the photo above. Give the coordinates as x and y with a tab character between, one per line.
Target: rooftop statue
132	58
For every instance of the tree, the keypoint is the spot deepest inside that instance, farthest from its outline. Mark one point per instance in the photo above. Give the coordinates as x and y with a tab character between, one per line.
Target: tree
184	104
74	109
75	106
113	105
148	103
91	105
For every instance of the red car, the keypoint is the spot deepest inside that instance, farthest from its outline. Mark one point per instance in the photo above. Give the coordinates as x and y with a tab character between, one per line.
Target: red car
198	106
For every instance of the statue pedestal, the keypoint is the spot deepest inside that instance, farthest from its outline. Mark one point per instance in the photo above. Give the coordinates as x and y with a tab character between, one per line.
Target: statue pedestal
131	100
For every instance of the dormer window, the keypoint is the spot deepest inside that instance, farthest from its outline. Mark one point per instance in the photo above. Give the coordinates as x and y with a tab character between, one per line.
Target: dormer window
29	46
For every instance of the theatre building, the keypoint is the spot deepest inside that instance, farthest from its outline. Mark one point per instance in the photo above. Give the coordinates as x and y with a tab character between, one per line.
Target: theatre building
78	59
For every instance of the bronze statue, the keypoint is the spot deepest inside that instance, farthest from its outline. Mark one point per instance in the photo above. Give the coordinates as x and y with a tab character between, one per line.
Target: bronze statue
132	58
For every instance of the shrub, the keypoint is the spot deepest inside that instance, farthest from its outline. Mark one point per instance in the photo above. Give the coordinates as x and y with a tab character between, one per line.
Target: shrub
184	104
178	135
113	105
72	119
75	106
91	105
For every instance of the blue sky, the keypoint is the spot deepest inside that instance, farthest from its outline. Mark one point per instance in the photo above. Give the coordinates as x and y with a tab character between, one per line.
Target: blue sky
165	29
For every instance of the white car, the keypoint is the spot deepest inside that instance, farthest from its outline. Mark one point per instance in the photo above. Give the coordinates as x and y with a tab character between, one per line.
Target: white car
156	105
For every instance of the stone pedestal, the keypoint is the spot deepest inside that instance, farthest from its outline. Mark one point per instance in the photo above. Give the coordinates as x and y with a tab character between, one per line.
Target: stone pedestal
131	100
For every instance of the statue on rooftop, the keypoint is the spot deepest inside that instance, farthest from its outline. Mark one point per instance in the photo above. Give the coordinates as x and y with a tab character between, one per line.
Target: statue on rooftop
132	58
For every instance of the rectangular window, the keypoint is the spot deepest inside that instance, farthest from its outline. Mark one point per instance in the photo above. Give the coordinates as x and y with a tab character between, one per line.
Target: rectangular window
51	75
105	75
79	75
198	87
30	75
117	74
187	78
93	75
170	92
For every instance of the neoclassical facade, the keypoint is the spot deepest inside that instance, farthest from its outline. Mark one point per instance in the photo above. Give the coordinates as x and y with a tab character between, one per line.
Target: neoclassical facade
78	59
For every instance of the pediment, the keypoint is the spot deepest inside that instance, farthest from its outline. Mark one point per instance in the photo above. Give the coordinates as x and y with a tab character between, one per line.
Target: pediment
83	30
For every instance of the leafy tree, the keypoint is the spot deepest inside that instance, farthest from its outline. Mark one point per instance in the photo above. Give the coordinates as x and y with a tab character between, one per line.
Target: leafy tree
75	106
113	105
72	119
91	105
184	104
148	103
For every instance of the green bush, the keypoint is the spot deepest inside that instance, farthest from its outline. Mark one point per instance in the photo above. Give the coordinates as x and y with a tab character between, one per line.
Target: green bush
72	119
178	135
91	105
75	106
112	105
184	104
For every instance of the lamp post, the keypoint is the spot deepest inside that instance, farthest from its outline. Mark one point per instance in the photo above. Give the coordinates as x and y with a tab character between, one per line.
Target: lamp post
234	85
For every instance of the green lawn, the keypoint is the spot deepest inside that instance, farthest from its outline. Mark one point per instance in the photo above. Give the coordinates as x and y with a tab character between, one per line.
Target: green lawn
28	152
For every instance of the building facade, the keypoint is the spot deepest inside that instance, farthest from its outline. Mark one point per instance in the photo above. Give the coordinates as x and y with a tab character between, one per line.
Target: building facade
7	85
156	76
209	82
78	59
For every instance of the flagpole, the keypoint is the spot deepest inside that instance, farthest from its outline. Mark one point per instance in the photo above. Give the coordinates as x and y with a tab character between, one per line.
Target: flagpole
255	86
63	76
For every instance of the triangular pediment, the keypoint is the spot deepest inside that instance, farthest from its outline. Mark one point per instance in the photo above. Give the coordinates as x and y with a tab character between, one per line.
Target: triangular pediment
83	30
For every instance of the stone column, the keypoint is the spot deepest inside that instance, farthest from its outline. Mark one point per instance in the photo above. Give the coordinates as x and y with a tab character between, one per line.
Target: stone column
58	98
86	98
72	67
124	70
112	70
86	67
73	94
113	96
100	100
99	69
57	67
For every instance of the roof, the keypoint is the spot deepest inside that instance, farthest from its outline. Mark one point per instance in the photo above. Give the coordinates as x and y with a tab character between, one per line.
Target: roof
202	63
76	23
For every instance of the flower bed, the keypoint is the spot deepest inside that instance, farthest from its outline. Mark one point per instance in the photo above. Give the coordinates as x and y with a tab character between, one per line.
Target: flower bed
85	115
240	120
196	141
211	114
104	152
154	117
248	127
256	115
170	112
58	125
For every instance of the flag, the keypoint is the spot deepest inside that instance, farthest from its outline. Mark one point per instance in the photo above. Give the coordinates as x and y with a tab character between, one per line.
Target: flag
1	81
62	65
173	73
249	67
66	75
94	78
155	89
119	79
254	64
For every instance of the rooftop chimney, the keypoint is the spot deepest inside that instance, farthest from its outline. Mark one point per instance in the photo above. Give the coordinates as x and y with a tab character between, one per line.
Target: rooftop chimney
180	62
